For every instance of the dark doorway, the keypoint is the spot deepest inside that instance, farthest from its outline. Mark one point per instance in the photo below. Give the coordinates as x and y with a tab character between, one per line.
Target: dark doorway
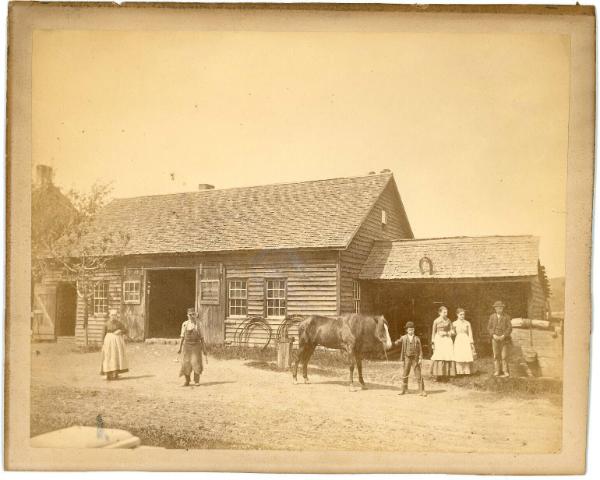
418	302
170	294
66	309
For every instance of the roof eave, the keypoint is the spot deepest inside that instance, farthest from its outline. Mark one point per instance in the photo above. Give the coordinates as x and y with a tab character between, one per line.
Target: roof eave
509	278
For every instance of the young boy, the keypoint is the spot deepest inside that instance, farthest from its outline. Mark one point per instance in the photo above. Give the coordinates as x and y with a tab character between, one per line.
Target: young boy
411	355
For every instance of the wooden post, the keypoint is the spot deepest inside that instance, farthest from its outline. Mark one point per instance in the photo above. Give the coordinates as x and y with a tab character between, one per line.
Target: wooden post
284	353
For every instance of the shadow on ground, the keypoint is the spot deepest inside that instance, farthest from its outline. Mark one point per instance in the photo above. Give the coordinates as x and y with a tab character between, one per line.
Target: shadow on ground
210	384
272	366
134	377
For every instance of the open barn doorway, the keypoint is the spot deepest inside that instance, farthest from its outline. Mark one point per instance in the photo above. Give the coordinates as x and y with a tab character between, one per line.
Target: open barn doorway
418	302
170	294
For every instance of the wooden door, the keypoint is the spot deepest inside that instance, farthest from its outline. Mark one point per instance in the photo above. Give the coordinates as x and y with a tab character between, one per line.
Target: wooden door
44	312
211	302
132	310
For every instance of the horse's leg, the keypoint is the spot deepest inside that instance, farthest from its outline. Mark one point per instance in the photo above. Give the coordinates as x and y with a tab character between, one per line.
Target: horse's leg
308	353
298	357
350	359
358	356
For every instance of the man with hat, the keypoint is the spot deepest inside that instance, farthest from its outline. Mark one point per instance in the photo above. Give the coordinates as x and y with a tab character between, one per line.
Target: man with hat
499	328
411	355
192	345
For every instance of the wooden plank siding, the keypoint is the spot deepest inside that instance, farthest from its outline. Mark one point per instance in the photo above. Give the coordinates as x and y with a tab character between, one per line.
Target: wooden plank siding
96	322
311	287
536	305
353	258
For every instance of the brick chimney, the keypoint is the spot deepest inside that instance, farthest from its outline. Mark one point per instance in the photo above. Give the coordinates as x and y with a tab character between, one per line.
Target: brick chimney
205	186
44	175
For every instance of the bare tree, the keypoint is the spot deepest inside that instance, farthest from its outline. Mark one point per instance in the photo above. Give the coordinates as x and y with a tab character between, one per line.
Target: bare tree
75	241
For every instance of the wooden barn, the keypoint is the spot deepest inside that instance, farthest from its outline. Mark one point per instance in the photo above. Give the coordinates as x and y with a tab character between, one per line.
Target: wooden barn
319	247
270	251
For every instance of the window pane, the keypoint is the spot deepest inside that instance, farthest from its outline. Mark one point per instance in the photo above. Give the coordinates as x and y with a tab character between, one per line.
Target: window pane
237	297
131	291
100	298
276	301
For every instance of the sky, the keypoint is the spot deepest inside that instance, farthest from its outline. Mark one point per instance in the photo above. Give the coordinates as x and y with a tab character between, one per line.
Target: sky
473	126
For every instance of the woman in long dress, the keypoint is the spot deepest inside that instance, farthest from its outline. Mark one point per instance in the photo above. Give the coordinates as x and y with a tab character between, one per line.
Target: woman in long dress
463	344
114	354
442	360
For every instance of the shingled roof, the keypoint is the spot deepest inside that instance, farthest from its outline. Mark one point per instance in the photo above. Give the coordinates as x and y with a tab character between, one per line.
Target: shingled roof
314	214
457	257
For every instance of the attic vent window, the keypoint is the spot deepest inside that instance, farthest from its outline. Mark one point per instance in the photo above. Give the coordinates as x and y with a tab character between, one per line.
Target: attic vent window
383	217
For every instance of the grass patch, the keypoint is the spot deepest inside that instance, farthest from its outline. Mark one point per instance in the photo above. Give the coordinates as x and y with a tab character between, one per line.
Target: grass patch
483	380
511	385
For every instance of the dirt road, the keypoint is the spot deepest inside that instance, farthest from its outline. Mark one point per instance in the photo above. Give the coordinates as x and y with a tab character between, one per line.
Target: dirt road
240	406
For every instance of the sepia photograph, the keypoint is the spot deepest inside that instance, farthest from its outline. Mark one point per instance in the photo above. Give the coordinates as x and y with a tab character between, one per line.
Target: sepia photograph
262	232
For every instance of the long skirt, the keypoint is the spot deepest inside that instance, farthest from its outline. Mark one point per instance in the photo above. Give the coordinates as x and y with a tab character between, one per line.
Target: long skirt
463	354
114	355
192	359
442	360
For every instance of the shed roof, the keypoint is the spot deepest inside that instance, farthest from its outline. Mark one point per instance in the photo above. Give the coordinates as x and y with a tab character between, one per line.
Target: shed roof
453	258
313	214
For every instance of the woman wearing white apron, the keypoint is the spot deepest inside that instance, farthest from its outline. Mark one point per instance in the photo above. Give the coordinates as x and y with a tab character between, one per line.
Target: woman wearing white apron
442	360
114	354
463	344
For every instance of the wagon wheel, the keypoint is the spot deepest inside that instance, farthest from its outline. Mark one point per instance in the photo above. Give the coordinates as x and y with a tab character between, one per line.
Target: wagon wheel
282	331
246	328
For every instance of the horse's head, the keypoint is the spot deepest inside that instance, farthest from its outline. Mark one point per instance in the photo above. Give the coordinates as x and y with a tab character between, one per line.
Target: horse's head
382	333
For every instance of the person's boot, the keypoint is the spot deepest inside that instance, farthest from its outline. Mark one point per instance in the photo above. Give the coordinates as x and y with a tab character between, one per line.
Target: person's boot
422	388
187	381
505	369
496	368
197	378
403	389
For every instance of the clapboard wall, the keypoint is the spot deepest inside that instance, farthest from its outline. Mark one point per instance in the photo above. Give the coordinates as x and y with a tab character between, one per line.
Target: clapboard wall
96	322
353	258
311	284
310	276
536	307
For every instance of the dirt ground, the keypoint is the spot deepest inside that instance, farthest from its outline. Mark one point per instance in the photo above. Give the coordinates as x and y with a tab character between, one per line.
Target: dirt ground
243	404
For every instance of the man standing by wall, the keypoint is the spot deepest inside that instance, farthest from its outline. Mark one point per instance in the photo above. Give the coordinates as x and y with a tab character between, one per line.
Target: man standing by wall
499	327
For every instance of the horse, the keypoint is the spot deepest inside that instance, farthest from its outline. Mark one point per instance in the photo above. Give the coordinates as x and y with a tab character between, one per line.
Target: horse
352	333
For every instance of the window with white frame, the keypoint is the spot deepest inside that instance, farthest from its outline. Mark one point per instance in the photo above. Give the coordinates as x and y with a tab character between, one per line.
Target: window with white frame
276	298
356	295
101	298
238	298
132	291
